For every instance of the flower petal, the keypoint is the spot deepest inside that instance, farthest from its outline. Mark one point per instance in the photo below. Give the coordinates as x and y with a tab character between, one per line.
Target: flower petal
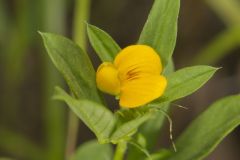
107	78
142	90
137	59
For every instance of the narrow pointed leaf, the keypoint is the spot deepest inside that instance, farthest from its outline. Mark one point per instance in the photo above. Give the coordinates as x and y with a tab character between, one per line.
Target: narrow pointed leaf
97	117
74	64
160	32
207	131
160	29
92	150
129	128
185	81
103	43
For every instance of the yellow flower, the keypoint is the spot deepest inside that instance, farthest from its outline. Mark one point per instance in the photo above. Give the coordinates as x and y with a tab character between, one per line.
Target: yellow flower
134	76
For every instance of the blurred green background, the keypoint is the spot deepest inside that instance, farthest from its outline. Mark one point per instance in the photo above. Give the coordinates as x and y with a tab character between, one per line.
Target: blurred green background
34	127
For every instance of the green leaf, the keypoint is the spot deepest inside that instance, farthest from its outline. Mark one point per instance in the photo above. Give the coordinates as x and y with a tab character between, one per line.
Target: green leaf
127	129
92	150
169	68
185	81
151	128
163	154
74	64
97	117
160	30
143	150
206	132
102	43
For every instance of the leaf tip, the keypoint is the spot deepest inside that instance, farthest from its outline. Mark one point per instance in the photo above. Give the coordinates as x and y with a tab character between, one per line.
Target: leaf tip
39	32
215	69
218	68
42	34
58	93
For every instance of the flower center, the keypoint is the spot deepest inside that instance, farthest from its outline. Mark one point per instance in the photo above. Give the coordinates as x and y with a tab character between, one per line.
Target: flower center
107	78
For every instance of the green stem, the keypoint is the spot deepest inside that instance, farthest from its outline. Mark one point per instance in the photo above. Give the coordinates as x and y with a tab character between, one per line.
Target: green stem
54	112
120	151
81	14
73	124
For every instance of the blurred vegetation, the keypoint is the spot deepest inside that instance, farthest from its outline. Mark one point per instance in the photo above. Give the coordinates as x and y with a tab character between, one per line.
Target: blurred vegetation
229	39
34	127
